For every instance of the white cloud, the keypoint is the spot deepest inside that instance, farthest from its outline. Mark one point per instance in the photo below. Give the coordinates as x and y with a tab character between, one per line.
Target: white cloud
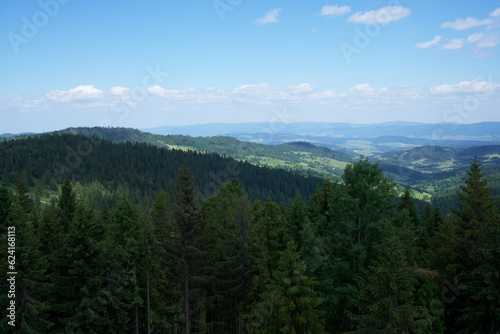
453	44
383	15
269	17
301	89
489	40
120	91
160	91
425	45
188	95
462	24
334	10
485	40
495	13
362	88
80	93
475	37
474	86
250	102
480	53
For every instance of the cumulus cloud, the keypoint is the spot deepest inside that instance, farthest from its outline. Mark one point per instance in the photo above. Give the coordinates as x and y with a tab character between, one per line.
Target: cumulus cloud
364	88
77	94
474	86
462	24
430	43
120	91
475	37
495	13
453	44
188	95
489	40
301	89
480	53
333	11
269	17
383	15
252	102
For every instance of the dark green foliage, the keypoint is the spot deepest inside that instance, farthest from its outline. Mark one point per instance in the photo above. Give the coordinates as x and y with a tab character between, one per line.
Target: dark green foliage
340	241
31	282
144	169
269	233
408	204
227	219
477	265
289	303
109	255
5	203
297	218
386	295
163	287
67	202
191	252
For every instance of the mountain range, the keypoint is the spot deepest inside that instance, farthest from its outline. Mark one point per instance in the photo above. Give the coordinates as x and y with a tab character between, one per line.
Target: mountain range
407	152
367	139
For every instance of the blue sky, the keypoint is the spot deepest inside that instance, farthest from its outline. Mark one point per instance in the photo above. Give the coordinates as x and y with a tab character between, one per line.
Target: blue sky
151	63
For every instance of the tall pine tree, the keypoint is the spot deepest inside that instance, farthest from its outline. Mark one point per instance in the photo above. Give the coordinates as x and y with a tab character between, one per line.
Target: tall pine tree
191	251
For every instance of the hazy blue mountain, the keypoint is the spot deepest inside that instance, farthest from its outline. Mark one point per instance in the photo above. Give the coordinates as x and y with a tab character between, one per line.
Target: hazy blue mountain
355	139
485	130
16	134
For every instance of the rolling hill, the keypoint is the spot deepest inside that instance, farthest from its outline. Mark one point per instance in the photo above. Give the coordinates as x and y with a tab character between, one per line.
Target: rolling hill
430	171
367	139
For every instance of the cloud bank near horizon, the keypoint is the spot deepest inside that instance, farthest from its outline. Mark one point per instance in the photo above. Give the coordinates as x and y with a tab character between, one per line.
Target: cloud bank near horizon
468	101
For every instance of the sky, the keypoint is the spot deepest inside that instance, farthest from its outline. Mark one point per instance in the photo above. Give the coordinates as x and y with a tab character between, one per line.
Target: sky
149	63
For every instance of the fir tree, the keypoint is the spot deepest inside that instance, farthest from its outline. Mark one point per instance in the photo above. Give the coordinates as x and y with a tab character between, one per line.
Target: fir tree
386	295
406	202
478	270
189	225
340	246
32	286
165	286
227	218
289	304
5	204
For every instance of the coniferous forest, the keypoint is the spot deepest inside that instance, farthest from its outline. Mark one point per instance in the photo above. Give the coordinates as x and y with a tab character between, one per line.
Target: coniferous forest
148	249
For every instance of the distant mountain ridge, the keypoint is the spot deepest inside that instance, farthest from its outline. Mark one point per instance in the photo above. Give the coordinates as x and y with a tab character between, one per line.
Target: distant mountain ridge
428	168
487	130
16	134
368	139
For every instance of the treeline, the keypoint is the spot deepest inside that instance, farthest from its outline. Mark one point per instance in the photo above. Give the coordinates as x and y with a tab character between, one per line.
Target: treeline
349	261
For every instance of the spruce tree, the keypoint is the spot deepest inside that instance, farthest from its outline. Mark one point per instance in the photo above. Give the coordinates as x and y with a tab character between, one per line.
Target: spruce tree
226	216
290	303
406	202
128	236
191	251
5	204
386	294
87	274
297	217
340	246
478	222
165	288
29	264
56	234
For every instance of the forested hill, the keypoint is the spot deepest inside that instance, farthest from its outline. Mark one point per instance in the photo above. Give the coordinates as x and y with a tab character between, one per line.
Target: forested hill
438	158
142	168
303	157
